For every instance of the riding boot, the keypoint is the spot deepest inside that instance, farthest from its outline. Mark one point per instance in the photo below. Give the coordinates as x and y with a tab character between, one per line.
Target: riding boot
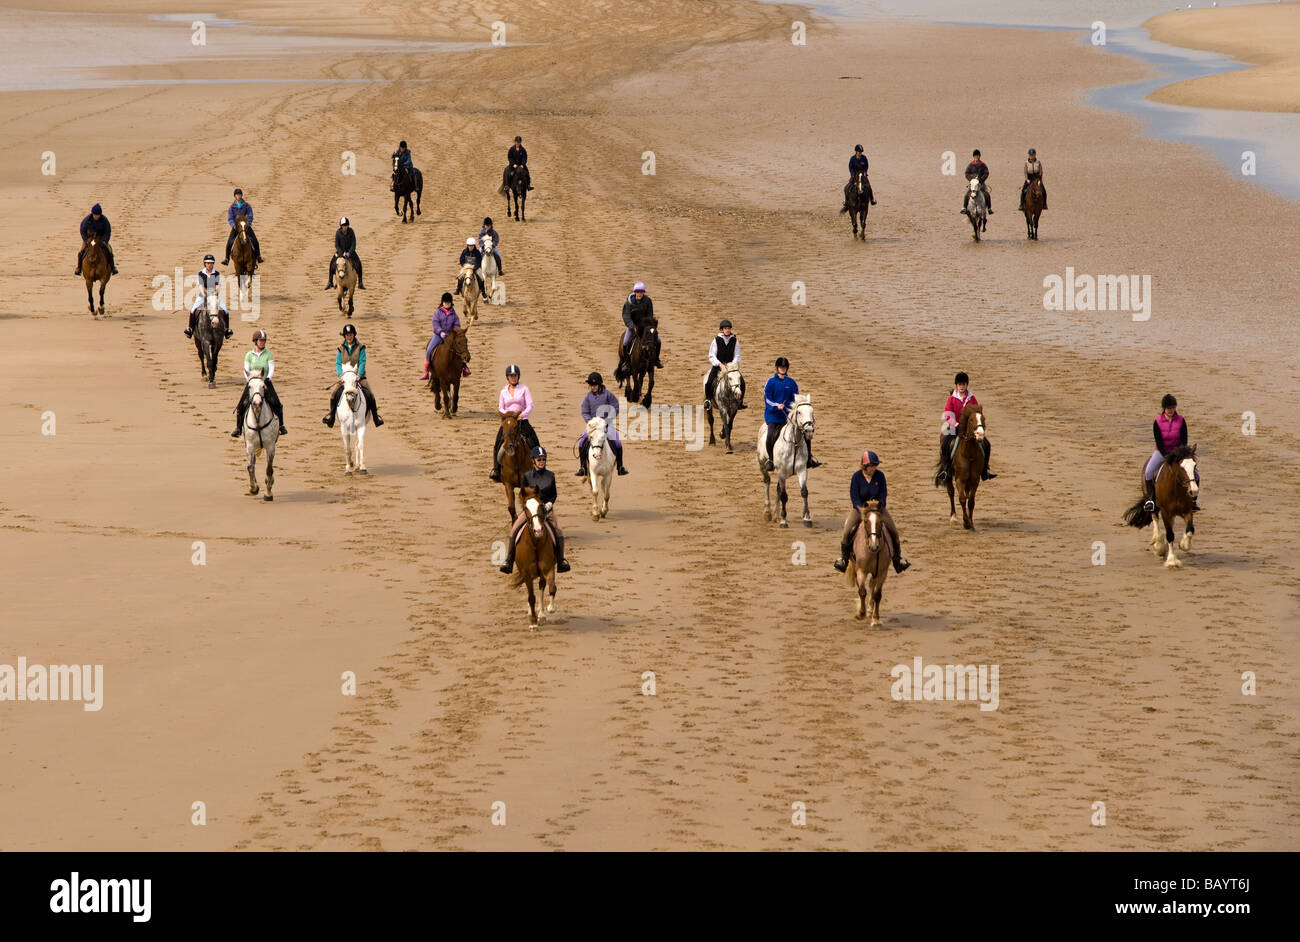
582	470
229	244
618	457
280	415
361	276
334	404
257	247
112	265
500	268
965	204
372	404
1150	505
986	474
330	283
842	564
496	460
988	203
239	414
742	394
482	286
509	565
80	255
812	462
561	564
460	283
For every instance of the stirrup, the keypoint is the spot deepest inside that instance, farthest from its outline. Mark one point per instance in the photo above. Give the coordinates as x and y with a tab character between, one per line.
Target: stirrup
563	566
841	564
1149	506
507	568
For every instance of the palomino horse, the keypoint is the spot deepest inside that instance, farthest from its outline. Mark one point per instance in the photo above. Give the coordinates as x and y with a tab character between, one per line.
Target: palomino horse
1176	489
1032	206
726	400
245	261
469	285
353	413
857	192
967	466
209	335
640	364
94	267
517	186
872	555
977	209
406	182
261	430
449	361
345	273
535	557
789	456
487	268
513	457
600	467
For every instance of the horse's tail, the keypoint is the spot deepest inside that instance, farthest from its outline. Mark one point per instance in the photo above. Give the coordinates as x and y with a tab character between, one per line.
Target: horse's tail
1137	515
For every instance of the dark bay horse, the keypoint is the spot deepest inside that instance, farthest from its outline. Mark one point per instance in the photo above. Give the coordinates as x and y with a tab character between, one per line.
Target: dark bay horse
1176	490
640	363
517	181
535	556
449	360
1032	206
406	182
857	193
209	335
873	554
95	267
967	465
513	457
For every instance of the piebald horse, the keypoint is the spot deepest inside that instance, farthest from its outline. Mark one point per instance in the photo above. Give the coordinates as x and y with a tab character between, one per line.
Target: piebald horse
1176	489
872	557
353	413
600	467
535	557
261	430
789	457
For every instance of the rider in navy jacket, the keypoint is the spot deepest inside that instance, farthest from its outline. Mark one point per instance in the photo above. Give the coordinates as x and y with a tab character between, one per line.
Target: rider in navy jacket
868	484
96	222
233	212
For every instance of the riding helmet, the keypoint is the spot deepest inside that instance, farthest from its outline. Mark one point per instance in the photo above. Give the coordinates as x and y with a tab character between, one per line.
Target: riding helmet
1032	151
401	143
539	452
259	334
349	329
487	221
209	258
639	286
858	148
595	379
725	323
518	139
97	210
446	297
470	242
975	153
1169	402
512	370
782	361
869	457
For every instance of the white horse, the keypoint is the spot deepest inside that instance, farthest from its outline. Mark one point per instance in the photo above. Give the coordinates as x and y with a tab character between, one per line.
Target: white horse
600	467
353	412
977	209
789	456
726	399
487	267
260	433
470	286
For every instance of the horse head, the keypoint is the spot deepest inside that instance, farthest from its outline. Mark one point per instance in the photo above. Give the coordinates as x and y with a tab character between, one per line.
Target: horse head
340	267
256	391
350	389
732	374
533	507
860	179
459	340
596	437
1185	459
801	416
974	185
510	433
871	518
487	245
972	422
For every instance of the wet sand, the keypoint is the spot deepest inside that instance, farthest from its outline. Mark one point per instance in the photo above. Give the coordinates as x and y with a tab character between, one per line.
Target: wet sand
1119	683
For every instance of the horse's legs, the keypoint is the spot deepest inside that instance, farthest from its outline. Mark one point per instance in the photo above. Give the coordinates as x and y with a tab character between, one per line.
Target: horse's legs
877	590
419	192
952	504
803	492
767	490
968	510
252	468
782	495
90	295
532	605
604	492
510	498
650	388
455	402
270	473
1186	542
550	593
102	286
712	440
1171	561
523	206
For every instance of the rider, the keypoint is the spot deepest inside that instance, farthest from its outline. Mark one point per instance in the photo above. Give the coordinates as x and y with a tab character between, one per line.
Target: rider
1033	170
98	224
345	243
724	349
869	484
233	212
599	401
516	156
777	396
978	168
514	398
445	320
952	409
209	279
638	311
354	353
470	255
487	230
404	162
259	359
544	481
1170	430
857	164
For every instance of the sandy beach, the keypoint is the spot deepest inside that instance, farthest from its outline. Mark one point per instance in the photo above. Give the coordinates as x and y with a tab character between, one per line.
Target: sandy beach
1119	683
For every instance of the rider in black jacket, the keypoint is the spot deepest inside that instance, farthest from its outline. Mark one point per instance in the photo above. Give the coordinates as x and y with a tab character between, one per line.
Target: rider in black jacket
345	243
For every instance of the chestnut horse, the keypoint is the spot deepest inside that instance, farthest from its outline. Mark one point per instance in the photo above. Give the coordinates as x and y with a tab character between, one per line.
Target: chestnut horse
94	267
513	458
1176	489
967	465
535	556
1032	206
449	360
872	557
241	253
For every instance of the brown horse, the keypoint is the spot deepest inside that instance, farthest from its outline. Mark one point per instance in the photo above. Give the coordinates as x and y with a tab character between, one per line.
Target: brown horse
967	466
244	258
1176	490
873	554
535	556
95	267
857	194
449	361
639	366
513	458
1032	206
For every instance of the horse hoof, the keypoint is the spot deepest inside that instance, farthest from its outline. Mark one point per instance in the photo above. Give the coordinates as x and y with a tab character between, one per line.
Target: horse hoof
254	490
860	616
212	384
348	472
784	525
268	497
364	471
1173	563
767	515
876	623
807	522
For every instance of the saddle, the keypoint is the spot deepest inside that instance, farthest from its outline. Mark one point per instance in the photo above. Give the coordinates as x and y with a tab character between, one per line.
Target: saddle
519	535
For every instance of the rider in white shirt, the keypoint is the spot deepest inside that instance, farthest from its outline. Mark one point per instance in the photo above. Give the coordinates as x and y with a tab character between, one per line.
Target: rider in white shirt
209	282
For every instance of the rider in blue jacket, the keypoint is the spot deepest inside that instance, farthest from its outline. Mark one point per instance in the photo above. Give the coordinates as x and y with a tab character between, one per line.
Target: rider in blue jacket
778	394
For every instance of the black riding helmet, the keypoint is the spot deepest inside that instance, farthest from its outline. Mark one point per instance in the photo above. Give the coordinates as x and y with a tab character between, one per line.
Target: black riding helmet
349	329
858	149
209	258
446	297
539	452
595	379
512	370
487	221
725	323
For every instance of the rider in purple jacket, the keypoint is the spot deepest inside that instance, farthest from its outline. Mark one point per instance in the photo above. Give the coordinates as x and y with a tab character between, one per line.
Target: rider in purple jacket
599	401
445	320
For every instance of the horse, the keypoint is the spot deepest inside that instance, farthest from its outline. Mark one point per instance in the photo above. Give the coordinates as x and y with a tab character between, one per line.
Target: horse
517	186
967	466
1176	489
977	209
639	365
406	182
600	467
244	259
345	273
469	285
726	401
873	554
858	195
487	268
260	435
209	335
789	456
353	413
95	267
535	557
513	457
1032	206
449	359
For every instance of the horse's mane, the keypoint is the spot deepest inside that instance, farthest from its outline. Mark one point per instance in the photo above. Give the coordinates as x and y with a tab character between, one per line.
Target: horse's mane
1181	454
242	217
967	415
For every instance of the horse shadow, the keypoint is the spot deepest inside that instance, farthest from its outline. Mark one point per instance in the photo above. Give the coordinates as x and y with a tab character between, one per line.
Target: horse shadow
910	621
299	497
583	624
